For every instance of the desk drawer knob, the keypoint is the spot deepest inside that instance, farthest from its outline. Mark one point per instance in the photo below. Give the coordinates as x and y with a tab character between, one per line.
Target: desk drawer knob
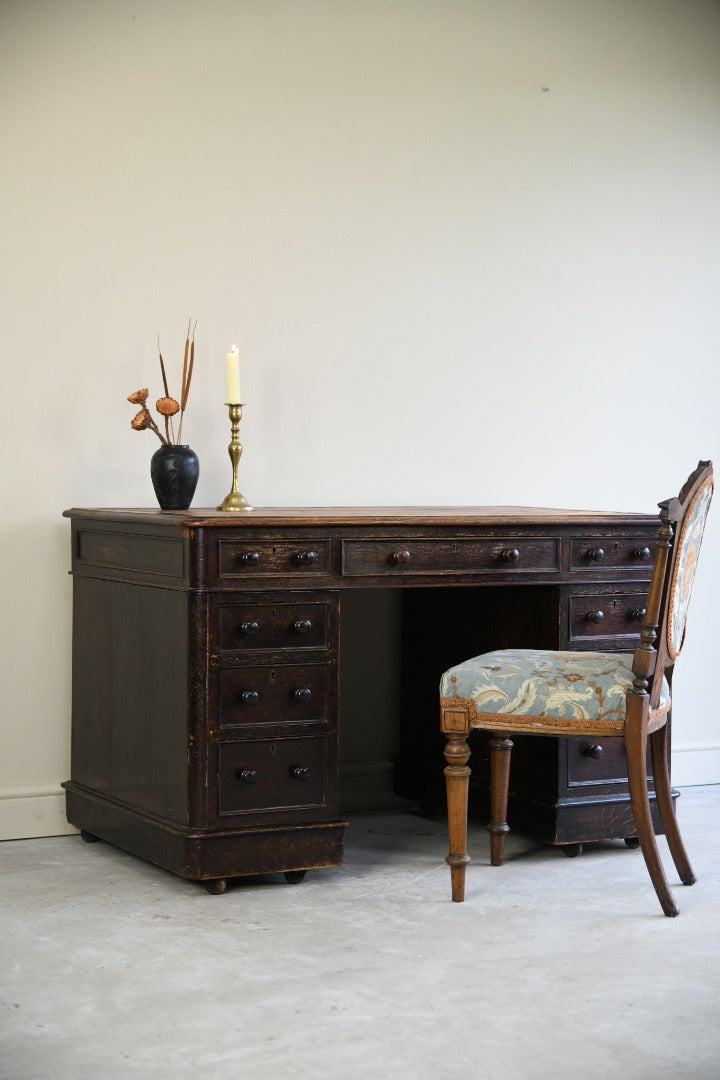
303	693
250	558
250	627
596	554
643	554
305	558
400	557
250	697
299	772
595	616
302	626
638	614
248	776
594	750
509	555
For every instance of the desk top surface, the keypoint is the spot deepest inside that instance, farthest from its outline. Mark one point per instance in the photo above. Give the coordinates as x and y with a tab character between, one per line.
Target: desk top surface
364	515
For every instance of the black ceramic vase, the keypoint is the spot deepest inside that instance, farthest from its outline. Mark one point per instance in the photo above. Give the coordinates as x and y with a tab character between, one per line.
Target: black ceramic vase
174	470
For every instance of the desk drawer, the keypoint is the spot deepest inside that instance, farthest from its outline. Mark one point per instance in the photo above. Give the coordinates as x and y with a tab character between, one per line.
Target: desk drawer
598	552
272	774
247	627
594	615
598	761
263	695
440	556
264	558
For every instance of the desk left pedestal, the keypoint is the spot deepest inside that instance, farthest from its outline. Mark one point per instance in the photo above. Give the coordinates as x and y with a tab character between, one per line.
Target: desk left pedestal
199	743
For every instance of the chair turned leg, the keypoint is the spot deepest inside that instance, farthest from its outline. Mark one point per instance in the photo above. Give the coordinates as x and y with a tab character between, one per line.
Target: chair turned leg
663	794
636	752
457	779
500	751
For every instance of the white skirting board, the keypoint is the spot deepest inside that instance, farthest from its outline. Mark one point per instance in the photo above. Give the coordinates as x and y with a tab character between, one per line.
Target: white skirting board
33	810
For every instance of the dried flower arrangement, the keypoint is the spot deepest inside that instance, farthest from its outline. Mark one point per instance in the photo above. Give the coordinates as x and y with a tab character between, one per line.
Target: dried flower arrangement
167	406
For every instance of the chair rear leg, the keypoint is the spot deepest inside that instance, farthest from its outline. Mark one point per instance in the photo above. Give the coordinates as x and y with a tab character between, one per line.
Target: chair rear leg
663	794
457	780
500	751
636	752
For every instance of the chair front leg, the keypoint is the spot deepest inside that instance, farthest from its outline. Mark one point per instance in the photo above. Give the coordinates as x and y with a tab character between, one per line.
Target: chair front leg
500	750
636	753
457	780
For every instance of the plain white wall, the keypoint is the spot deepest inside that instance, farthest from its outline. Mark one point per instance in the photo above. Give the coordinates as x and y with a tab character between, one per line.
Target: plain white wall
469	250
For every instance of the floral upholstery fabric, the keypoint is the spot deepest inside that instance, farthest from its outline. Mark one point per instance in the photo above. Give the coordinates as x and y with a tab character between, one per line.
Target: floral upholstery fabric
688	548
532	682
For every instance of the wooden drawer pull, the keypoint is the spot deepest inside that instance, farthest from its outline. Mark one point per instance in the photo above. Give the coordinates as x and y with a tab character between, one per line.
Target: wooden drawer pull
299	772
643	554
596	554
250	558
594	750
305	558
302	626
400	557
595	616
638	614
250	627
250	697
509	555
303	693
248	776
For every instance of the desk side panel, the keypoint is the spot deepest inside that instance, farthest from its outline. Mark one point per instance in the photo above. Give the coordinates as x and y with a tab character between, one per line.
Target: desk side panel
131	695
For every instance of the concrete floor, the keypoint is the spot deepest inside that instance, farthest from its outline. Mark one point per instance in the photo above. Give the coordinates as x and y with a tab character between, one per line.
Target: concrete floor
553	967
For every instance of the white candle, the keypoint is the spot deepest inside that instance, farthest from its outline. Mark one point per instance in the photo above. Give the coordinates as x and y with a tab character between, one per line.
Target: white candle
233	376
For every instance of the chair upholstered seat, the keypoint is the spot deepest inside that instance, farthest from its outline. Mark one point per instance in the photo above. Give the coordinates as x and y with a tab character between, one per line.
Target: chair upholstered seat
572	686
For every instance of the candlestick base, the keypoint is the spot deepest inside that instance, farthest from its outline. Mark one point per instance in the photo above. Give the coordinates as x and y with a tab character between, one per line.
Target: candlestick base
234	501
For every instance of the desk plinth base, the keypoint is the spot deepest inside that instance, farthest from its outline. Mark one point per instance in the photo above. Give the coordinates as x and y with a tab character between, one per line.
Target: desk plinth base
205	855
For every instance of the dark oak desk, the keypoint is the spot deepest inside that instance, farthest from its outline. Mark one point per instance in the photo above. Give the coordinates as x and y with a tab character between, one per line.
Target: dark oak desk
205	668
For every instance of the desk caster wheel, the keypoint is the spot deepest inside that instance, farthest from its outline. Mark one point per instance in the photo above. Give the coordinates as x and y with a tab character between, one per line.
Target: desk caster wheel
294	877
88	837
571	851
216	886
632	841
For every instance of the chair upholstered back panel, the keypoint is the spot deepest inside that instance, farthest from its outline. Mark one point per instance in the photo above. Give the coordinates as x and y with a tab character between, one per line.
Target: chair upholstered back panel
687	546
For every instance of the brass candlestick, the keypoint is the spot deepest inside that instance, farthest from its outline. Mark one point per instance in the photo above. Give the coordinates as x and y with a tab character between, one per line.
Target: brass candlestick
234	500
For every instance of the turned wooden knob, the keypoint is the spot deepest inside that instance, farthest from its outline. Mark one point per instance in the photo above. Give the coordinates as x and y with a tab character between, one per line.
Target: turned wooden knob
299	772
638	614
250	697
595	616
509	555
248	776
302	625
643	554
305	558
303	693
250	627
250	558
596	554
595	750
401	556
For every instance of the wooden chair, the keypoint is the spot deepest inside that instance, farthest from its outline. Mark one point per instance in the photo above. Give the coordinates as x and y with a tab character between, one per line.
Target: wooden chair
591	694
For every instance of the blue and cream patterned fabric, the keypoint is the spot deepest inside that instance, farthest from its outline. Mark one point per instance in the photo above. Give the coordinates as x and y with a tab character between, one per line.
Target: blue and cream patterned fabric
532	682
688	547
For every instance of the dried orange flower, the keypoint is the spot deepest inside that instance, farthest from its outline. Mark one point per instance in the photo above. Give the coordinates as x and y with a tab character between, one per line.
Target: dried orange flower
167	406
141	420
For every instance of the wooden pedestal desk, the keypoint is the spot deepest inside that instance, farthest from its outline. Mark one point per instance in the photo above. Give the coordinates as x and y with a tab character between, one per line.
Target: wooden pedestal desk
205	668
